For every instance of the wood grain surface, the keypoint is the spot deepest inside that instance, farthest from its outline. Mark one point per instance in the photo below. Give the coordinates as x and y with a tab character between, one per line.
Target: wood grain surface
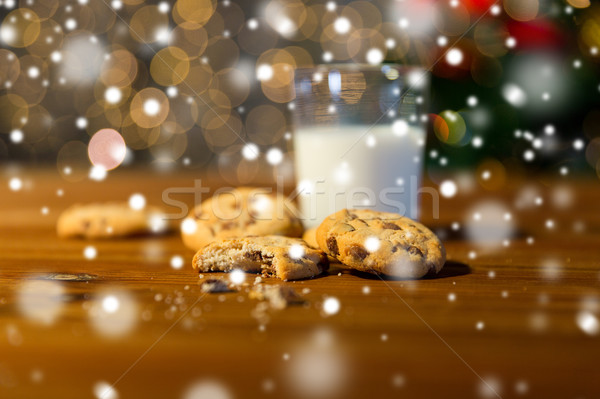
510	321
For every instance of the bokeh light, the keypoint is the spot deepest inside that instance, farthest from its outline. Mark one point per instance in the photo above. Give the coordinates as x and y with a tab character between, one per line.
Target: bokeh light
149	108
449	127
104	390
107	149
41	301
20	28
113	314
318	367
522	10
489	223
207	389
170	66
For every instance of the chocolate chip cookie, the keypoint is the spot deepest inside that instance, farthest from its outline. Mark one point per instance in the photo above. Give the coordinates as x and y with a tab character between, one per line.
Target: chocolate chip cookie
283	257
310	236
110	220
240	212
381	243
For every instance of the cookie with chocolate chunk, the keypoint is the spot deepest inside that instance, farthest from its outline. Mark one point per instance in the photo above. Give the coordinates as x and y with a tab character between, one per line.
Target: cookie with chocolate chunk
310	236
283	257
111	220
381	243
240	212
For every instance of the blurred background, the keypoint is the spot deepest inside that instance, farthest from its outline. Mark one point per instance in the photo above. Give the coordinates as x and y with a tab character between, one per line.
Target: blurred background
515	83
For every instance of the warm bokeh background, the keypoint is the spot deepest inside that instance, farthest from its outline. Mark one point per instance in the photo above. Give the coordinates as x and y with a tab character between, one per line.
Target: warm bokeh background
189	83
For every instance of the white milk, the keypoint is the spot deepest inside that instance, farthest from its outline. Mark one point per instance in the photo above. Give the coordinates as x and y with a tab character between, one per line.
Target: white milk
342	167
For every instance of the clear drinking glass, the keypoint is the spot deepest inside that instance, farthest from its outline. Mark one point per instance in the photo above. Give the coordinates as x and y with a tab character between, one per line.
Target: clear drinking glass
359	138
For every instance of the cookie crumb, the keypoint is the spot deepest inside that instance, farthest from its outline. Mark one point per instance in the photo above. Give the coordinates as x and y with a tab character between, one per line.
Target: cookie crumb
279	296
213	286
260	313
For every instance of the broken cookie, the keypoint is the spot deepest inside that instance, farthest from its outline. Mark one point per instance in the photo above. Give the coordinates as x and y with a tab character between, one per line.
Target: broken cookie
282	257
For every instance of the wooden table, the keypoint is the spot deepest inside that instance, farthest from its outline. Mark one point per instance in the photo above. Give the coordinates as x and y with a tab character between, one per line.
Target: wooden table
521	317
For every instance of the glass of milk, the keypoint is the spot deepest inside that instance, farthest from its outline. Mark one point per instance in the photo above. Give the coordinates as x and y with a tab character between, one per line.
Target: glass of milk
359	138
